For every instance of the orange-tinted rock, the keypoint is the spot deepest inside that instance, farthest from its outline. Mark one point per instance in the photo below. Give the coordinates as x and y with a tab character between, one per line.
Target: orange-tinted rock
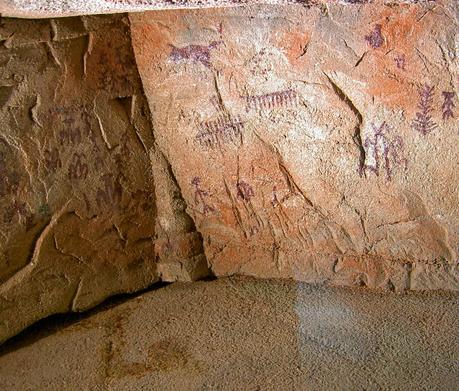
312	143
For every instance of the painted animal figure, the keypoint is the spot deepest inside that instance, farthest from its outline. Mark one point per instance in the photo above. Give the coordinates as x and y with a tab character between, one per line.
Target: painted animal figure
194	53
383	151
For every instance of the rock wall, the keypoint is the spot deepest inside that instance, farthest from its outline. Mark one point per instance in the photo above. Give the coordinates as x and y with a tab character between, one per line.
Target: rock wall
83	190
60	8
317	143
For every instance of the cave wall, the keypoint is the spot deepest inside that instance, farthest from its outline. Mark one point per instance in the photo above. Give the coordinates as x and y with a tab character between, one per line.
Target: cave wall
317	143
83	190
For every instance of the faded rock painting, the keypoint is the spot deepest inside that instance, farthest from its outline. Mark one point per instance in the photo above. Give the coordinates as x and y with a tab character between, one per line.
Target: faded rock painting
89	206
77	207
312	144
384	152
423	122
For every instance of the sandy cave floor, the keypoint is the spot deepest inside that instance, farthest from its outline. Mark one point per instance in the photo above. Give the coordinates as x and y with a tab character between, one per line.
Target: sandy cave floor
244	334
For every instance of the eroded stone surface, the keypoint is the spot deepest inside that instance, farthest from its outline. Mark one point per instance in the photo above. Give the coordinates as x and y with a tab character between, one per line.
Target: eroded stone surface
59	8
318	144
82	187
244	334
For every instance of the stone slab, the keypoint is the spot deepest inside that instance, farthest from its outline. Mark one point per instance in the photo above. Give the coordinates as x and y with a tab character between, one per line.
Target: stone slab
319	144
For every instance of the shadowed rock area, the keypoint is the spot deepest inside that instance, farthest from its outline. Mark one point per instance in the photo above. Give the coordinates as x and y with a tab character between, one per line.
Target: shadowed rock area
88	205
245	334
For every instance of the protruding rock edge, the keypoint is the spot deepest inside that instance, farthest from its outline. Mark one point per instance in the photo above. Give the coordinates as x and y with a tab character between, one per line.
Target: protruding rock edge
30	9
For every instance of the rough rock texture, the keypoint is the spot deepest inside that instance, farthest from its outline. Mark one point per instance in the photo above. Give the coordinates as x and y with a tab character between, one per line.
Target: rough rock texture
319	144
243	334
83	190
313	142
59	8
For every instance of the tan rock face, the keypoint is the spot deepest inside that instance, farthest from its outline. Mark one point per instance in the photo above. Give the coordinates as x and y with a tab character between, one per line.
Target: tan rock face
318	144
78	216
315	143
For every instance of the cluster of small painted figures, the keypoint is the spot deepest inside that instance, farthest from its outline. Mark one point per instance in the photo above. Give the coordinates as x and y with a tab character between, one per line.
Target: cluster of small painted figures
214	133
244	192
423	121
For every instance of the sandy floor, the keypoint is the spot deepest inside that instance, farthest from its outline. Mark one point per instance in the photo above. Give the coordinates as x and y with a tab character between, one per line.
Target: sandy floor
244	334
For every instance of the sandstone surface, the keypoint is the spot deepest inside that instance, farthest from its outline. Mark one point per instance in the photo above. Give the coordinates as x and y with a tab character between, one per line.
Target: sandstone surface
245	334
83	191
318	144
